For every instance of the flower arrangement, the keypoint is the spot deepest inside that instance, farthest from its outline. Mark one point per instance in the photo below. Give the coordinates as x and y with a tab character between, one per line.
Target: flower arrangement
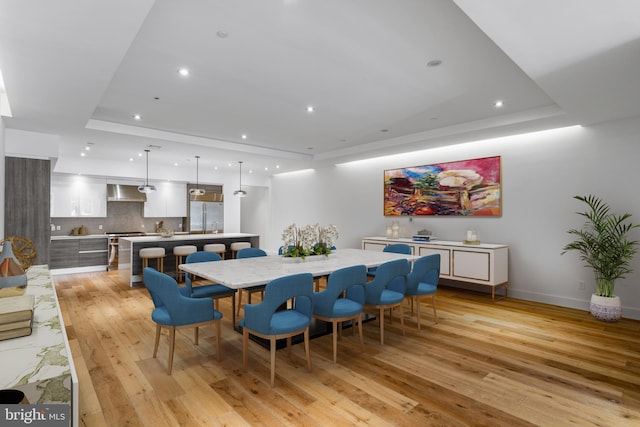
300	242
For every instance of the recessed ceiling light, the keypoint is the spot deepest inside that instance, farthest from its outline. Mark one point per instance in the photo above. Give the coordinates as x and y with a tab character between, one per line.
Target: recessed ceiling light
81	154
184	72
175	164
139	154
310	109
244	136
498	103
384	130
266	168
137	117
277	166
131	159
87	148
434	63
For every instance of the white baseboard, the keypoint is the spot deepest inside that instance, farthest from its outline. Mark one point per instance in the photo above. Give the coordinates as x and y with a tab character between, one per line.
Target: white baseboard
75	270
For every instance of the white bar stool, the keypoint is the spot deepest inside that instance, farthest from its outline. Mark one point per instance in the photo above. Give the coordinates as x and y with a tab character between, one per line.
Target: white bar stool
180	253
152	253
236	246
219	248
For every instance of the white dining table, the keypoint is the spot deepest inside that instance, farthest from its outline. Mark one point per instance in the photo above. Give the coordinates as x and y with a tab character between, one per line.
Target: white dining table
247	272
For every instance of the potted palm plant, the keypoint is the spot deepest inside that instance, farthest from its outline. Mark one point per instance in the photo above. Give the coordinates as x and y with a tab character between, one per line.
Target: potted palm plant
604	246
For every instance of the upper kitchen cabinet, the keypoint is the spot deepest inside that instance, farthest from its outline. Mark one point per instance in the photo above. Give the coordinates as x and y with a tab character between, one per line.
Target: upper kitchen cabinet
78	197
168	201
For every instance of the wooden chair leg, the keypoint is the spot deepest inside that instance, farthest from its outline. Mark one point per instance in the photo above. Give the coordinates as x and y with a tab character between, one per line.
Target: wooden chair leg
401	318
335	341
360	331
155	347
218	340
418	310
272	345
306	348
433	302
289	346
172	344
381	326
196	335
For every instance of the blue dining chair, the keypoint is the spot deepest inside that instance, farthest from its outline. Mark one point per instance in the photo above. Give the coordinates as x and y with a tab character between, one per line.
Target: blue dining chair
387	290
396	248
423	280
330	305
249	253
175	311
269	321
214	291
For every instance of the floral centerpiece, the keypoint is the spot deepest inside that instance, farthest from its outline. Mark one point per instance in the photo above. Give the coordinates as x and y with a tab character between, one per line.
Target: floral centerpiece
300	242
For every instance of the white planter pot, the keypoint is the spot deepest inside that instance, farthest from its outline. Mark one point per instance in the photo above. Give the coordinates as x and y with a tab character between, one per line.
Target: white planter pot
607	309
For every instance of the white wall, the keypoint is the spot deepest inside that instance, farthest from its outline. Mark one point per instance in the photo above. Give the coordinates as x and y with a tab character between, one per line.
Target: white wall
2	169
541	172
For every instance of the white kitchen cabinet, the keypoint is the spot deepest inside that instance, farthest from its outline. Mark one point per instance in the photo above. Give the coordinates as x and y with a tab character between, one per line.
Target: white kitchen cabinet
168	201
483	264
78	197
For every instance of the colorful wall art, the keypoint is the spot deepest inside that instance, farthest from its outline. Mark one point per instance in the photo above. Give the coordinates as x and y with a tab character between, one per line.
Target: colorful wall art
461	188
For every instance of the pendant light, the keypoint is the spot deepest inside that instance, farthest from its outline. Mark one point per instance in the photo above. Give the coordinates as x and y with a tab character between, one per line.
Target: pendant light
197	191
240	192
146	188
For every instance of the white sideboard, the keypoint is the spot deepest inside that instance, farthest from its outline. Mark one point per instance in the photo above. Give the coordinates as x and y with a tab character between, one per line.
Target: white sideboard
483	264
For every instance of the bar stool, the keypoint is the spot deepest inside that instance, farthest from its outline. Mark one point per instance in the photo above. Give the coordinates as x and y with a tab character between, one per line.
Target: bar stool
180	253
236	246
218	248
152	253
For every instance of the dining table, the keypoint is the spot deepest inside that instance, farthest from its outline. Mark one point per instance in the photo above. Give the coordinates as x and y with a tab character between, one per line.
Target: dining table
249	272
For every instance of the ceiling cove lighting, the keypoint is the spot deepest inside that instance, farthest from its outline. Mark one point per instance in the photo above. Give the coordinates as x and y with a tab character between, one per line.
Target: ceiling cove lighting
240	192
146	188
197	191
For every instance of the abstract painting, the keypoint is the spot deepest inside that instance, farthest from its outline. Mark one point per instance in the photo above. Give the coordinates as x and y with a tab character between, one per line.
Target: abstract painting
461	188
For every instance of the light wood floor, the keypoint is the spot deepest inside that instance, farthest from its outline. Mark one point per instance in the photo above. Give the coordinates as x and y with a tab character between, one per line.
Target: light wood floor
504	363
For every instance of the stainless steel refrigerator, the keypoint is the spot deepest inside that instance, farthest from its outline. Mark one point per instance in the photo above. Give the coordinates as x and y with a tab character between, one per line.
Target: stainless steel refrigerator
206	214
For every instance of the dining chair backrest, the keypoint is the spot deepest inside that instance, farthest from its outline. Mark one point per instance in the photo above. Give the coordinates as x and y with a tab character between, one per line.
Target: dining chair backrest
398	248
257	317
174	308
250	253
390	275
200	256
350	279
426	269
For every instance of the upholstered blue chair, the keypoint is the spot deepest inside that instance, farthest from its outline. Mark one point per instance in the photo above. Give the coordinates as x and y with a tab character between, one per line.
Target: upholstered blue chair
396	248
423	280
387	290
330	305
175	311
249	253
269	321
209	290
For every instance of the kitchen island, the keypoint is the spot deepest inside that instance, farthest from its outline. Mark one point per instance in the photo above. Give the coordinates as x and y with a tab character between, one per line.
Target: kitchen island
130	264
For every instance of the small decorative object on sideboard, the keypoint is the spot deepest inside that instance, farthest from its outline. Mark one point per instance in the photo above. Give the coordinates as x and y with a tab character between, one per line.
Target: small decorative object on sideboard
164	232
422	236
471	237
13	279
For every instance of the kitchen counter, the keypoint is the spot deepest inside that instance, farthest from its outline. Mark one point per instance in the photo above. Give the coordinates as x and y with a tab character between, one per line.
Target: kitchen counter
84	236
40	364
130	264
188	237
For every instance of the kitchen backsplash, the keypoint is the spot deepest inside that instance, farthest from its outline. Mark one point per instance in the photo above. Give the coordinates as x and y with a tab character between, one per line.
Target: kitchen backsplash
121	216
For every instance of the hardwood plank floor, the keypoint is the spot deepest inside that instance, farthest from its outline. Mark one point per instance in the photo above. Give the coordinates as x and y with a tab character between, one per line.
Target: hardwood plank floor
504	363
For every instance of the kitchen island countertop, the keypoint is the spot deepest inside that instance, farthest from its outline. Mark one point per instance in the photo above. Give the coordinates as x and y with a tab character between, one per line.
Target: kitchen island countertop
187	237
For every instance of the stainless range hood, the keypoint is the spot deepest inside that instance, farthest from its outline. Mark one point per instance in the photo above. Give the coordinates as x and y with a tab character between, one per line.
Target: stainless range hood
124	193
